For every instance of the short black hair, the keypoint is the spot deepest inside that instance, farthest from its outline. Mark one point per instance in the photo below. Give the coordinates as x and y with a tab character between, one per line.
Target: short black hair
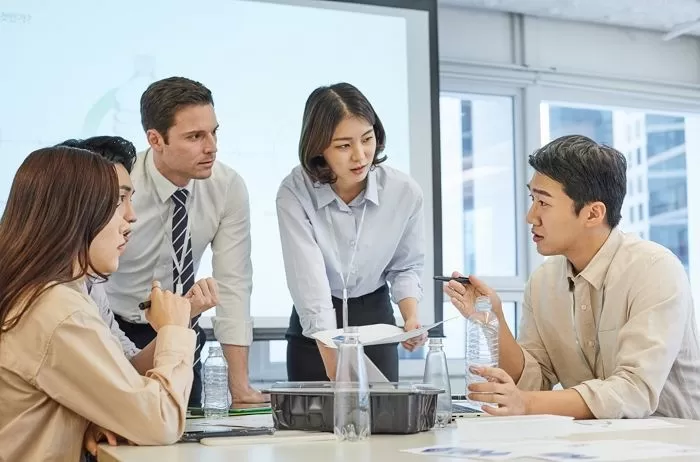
588	171
162	99
325	108
113	148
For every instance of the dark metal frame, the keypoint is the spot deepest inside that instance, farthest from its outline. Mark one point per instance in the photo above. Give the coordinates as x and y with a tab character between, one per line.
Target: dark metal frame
266	334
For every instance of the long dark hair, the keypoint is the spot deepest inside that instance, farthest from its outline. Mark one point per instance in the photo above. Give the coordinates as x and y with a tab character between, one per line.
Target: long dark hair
61	198
325	108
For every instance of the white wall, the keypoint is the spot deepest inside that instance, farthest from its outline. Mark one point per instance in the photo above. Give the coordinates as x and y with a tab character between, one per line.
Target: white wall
492	37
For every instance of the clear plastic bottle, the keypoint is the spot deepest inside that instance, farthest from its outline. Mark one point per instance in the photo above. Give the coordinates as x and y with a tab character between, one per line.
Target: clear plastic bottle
215	370
351	400
481	341
436	374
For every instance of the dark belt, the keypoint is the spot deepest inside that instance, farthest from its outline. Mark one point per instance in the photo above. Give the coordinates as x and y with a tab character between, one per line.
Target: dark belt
372	308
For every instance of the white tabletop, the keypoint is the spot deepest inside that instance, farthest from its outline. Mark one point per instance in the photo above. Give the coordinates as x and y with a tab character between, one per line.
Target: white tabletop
379	448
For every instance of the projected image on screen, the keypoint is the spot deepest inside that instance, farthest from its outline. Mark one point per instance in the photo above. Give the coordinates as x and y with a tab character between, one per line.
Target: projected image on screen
78	69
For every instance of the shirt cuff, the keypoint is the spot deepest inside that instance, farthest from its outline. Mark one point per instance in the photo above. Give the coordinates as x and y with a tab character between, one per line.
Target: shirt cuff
531	378
233	331
603	402
131	352
317	322
175	341
405	286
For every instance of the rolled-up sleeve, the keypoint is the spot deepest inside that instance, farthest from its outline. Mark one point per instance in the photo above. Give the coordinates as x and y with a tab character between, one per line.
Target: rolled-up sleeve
304	266
647	344
233	269
405	269
538	373
85	370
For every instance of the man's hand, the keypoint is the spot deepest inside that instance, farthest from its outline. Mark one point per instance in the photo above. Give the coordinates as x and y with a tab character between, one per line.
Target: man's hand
463	296
203	295
95	435
500	390
415	342
330	359
247	395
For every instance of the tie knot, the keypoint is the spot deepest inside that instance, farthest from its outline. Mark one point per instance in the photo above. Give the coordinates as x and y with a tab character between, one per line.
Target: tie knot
180	196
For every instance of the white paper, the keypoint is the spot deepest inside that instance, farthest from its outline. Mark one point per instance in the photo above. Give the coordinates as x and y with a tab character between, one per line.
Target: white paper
375	334
560	450
280	437
610	425
513	428
374	375
611	450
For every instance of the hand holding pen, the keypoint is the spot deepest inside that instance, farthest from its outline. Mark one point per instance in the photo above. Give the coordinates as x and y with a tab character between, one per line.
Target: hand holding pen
167	309
203	295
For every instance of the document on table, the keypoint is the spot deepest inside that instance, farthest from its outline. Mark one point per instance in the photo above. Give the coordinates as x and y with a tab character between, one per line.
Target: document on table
561	450
611	425
547	426
513	428
375	334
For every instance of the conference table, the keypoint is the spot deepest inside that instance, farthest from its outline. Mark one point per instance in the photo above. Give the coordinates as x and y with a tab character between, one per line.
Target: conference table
380	448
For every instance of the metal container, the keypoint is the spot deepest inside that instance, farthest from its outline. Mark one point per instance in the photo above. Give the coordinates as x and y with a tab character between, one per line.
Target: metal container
398	408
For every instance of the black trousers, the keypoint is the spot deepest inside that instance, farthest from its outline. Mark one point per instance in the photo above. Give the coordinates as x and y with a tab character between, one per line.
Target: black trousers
304	363
143	334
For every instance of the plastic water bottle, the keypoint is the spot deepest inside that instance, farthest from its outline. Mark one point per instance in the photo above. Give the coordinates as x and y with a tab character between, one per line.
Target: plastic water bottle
216	398
436	375
351	400
482	341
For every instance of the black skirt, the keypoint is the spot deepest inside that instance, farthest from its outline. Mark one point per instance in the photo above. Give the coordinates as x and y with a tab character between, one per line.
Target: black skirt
304	363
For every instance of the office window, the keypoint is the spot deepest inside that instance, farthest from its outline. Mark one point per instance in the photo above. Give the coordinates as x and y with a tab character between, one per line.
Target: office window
478	192
660	146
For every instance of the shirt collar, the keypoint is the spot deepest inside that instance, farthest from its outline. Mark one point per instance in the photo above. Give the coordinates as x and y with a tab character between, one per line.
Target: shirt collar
325	194
164	188
597	268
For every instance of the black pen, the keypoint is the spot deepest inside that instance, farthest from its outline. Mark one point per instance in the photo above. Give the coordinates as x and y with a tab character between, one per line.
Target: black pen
145	305
461	279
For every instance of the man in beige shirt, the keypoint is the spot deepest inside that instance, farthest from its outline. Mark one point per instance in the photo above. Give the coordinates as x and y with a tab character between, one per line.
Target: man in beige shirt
609	316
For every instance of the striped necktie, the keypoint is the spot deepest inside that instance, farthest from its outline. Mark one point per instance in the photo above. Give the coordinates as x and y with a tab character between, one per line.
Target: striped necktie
183	269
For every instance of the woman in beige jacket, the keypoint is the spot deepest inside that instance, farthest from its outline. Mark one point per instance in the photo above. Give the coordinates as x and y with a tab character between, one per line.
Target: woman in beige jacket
60	366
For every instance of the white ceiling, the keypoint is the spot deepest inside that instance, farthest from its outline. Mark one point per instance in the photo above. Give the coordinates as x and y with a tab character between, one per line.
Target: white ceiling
659	15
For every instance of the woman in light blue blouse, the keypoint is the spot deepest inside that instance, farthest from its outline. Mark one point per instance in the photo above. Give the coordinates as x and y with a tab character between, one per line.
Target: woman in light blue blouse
351	228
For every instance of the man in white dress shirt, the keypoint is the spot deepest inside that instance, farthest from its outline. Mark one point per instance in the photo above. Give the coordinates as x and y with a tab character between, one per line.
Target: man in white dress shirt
187	201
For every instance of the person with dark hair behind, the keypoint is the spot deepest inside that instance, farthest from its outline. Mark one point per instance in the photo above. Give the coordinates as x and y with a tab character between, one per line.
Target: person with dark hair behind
608	315
349	226
122	154
115	149
60	366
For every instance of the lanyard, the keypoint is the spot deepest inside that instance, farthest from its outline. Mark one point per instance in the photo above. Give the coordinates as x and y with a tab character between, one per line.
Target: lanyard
168	233
180	265
346	277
